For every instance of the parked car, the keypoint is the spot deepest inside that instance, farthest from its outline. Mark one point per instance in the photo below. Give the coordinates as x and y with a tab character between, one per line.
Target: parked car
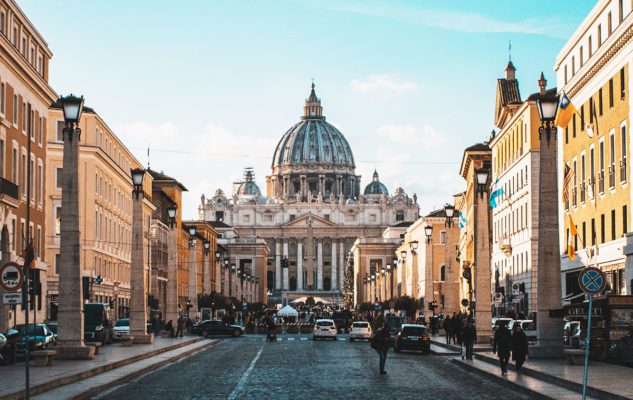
412	337
98	323
360	330
528	327
53	327
40	337
342	320
571	334
394	322
216	328
121	329
501	322
324	328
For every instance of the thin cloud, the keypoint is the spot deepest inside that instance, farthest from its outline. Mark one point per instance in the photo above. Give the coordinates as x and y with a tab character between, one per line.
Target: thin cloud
425	136
383	84
459	21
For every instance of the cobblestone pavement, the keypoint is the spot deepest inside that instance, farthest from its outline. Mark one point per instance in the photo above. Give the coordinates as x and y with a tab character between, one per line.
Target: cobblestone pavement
298	368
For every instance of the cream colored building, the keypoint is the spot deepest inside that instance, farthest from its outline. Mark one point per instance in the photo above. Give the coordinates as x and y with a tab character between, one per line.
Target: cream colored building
105	209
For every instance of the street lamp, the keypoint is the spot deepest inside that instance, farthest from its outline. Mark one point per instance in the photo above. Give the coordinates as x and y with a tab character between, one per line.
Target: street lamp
547	108
192	234
449	211
171	311
137	180
482	180
414	246
428	231
72	107
207	247
218	254
171	214
403	254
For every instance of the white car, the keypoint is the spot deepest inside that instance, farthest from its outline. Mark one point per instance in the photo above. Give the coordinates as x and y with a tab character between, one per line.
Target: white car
324	328
360	330
121	329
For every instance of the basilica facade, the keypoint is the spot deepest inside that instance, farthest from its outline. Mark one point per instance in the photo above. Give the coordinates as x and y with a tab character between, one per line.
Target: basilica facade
313	210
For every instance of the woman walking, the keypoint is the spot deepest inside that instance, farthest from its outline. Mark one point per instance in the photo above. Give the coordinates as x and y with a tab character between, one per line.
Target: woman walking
519	346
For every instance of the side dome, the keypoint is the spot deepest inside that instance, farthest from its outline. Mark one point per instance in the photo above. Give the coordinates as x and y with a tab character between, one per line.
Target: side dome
248	187
313	141
376	187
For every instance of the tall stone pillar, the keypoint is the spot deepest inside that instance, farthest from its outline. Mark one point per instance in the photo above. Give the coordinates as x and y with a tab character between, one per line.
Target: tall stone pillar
342	265
206	274
193	277
70	316
299	266
138	292
285	270
481	279
319	284
429	294
549	329
334	274
172	276
451	275
278	265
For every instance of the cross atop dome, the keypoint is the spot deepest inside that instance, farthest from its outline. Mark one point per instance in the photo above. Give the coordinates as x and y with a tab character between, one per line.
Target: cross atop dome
312	108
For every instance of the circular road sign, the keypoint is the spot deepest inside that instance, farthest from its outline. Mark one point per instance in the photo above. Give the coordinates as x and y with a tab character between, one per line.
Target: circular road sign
11	277
592	280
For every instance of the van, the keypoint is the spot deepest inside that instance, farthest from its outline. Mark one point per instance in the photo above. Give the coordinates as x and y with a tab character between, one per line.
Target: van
98	323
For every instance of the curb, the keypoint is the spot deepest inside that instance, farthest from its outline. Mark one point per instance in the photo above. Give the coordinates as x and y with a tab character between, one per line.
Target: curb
555	380
457	349
96	390
65	380
532	393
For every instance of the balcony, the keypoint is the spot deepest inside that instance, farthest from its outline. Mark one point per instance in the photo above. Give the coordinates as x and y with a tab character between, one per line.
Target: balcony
582	193
8	193
611	176
601	182
505	246
574	198
623	170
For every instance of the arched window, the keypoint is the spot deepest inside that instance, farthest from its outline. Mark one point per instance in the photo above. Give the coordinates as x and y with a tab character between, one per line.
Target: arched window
443	273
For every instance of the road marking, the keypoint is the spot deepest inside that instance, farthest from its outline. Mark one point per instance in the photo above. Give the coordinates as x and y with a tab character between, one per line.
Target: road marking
304	338
342	339
244	377
291	338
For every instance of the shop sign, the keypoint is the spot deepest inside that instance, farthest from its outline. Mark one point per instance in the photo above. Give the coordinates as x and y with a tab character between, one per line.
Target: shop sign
621	300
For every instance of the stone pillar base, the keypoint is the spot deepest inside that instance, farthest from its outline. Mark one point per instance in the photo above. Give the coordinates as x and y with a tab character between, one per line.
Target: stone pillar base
142	338
485	339
75	352
547	349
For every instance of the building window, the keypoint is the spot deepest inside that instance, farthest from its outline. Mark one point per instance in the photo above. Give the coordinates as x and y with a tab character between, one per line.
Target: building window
609	24
620	10
566	80
582	56
60	131
443	237
625	220
39	242
593	231
623	158
582	119
23	117
589	47
372	217
573	65
622	84
601	177
612	160
602	229
291	217
600	102
23	182
58	177
15	109
613	225
400	215
599	34
611	93
573	123
38	187
3	98
443	273
40	131
219	215
584	233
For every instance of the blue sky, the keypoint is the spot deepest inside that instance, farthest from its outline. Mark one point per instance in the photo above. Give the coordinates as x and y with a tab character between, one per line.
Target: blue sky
212	85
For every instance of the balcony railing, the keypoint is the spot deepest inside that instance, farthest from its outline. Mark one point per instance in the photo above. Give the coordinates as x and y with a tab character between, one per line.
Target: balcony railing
623	170
611	176
8	188
582	192
601	182
574	198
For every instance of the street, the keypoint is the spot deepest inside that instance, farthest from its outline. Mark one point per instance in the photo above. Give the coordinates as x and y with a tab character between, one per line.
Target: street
295	367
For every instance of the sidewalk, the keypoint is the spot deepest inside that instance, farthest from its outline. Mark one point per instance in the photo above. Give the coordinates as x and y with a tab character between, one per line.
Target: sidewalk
440	340
64	372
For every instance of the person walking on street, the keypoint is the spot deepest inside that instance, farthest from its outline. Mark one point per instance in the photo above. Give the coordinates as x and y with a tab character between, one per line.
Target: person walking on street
519	346
180	326
448	327
469	335
502	345
381	342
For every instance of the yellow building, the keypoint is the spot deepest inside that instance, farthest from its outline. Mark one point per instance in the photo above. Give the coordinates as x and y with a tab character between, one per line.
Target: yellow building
105	211
593	70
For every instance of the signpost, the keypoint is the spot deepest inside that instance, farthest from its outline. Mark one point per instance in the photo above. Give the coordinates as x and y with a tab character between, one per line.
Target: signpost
592	281
11	277
12	298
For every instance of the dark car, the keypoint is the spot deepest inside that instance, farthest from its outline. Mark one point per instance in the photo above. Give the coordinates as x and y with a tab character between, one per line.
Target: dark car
40	337
412	337
342	320
98	323
394	323
217	328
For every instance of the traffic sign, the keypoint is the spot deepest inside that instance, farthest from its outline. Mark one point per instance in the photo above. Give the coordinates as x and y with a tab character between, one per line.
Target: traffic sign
11	276
592	280
12	298
498	299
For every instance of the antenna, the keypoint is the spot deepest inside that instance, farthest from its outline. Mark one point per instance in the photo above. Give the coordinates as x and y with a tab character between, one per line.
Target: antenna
509	50
148	155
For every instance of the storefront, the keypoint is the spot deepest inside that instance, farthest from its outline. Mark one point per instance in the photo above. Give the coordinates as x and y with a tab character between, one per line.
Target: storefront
611	321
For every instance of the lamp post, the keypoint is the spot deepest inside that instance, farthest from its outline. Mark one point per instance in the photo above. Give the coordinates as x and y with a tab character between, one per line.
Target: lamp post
225	275
193	267
365	294
70	315
449	211
390	273
206	274
429	267
548	325
415	278
383	286
138	299
171	313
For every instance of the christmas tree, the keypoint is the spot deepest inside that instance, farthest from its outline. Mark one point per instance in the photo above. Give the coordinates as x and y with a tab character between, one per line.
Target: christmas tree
348	283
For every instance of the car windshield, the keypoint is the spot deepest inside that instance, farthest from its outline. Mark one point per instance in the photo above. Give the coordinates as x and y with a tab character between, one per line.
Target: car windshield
528	326
122	322
502	322
413	331
324	323
53	328
37	331
394	322
360	325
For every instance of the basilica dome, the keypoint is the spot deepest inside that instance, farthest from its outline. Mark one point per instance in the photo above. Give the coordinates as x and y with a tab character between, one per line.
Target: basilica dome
376	187
248	187
313	143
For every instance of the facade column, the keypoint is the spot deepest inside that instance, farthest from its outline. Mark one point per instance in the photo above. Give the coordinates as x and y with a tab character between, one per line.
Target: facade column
193	277
299	265
483	287
333	274
138	295
206	273
338	185
285	270
278	265
451	275
319	284
429	292
342	265
304	189
171	313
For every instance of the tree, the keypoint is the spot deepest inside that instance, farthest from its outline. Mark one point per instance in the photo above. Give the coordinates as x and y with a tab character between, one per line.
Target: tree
348	283
407	304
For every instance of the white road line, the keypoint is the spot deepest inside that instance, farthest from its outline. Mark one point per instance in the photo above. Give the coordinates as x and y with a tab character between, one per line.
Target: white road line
291	338
304	338
244	377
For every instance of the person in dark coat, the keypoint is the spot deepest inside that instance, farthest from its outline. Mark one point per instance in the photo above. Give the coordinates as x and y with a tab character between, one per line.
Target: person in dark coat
519	346
448	328
469	335
502	345
381	343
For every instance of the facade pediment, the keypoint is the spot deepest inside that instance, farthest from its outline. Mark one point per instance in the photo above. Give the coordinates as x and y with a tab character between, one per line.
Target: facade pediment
302	222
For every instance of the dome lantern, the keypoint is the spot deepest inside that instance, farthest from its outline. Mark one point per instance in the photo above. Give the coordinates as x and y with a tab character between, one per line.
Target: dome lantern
312	108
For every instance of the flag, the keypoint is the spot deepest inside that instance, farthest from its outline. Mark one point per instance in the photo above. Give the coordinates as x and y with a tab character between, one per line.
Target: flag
573	232
565	111
29	256
496	192
567	178
462	220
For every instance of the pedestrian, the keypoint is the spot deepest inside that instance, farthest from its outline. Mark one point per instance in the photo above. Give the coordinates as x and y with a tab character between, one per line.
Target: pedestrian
454	328
448	328
459	329
502	345
469	335
170	328
180	326
519	346
381	341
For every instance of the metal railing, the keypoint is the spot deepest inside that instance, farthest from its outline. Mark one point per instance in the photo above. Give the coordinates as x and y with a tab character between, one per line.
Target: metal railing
582	192
8	188
611	176
601	182
623	170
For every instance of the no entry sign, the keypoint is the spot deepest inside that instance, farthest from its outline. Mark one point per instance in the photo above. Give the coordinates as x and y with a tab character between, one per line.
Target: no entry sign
11	277
592	280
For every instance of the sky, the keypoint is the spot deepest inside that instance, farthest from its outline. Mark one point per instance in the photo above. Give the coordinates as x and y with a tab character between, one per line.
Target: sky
211	86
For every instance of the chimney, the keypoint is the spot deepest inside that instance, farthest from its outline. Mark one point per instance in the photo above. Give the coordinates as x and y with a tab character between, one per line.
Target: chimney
542	83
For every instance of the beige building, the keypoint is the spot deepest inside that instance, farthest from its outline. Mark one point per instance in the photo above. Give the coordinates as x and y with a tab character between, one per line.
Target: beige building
25	96
105	210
